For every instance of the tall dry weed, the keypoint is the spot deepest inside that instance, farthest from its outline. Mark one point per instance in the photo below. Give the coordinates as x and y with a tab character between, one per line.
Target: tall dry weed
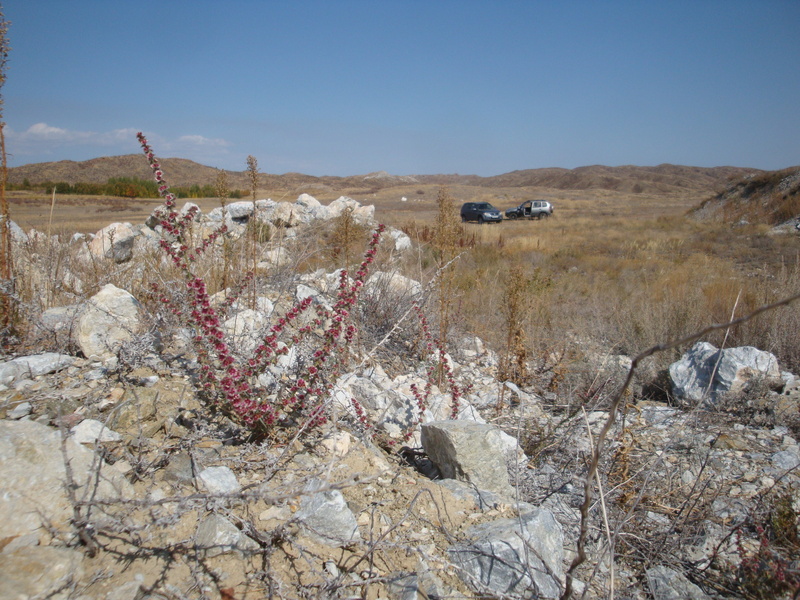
445	243
347	237
6	265
515	308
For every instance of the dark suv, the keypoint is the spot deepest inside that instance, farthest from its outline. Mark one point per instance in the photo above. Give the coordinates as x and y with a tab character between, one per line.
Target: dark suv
482	212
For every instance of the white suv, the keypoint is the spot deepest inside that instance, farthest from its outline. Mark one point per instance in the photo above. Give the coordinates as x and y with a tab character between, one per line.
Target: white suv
531	209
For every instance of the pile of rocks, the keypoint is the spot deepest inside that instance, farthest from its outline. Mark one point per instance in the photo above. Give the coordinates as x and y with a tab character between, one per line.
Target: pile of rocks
119	241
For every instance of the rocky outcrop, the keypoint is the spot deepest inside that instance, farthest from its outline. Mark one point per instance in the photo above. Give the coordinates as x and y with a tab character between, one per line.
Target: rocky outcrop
115	458
482	521
705	372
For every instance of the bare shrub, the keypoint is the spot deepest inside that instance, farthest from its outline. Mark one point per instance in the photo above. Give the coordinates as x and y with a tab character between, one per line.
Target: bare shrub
346	238
446	233
515	306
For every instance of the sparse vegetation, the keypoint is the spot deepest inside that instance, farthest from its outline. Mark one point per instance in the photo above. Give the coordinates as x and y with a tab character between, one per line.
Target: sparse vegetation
610	274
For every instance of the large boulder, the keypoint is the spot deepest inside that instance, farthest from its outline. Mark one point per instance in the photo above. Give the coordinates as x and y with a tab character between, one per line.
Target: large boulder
362	214
402	243
114	242
40	572
57	325
240	211
521	557
34	478
469	451
218	217
33	366
18	235
110	318
312	206
382	283
287	214
704	371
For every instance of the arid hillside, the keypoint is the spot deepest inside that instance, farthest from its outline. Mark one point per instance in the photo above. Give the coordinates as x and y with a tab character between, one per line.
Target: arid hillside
661	179
771	197
628	178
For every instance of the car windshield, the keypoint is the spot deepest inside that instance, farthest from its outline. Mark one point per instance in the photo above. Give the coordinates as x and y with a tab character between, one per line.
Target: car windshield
484	206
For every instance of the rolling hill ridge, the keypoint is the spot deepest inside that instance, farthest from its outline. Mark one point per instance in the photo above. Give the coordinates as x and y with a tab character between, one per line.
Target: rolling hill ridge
661	179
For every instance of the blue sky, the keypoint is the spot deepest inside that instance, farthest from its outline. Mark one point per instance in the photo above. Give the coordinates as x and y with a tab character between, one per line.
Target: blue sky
349	87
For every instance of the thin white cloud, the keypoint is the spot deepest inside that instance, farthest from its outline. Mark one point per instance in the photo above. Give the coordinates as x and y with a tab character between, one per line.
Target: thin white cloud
117	136
196	147
42	134
199	140
41	142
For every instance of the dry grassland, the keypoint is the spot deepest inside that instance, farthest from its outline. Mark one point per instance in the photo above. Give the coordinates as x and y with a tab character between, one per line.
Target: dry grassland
625	271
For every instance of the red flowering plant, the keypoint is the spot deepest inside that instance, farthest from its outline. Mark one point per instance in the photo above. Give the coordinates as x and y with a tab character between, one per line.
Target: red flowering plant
435	351
227	380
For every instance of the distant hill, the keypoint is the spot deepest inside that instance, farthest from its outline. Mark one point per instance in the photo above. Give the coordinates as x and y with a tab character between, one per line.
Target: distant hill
662	179
632	179
179	171
771	197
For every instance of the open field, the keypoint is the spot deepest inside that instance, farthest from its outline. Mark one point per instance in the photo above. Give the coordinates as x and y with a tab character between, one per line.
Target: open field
87	214
627	270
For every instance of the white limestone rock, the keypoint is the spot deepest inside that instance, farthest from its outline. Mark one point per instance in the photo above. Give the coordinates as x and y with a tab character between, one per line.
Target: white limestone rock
110	318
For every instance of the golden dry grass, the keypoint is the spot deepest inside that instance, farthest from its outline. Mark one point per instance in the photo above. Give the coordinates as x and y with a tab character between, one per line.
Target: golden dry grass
629	270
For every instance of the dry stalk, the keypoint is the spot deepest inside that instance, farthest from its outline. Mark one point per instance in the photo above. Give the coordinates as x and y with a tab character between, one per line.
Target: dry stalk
446	233
516	303
253	174
6	267
609	537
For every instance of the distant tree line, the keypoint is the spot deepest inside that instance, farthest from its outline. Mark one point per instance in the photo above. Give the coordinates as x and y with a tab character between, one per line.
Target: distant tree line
126	187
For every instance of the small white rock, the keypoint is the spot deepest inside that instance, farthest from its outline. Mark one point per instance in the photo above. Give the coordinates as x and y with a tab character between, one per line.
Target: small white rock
90	431
220	480
23	409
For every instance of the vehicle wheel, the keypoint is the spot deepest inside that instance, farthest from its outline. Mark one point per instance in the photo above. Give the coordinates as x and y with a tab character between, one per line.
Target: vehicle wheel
483	220
513	216
463	219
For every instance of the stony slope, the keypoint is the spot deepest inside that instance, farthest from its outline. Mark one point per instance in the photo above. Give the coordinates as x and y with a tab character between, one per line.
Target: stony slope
771	197
165	498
